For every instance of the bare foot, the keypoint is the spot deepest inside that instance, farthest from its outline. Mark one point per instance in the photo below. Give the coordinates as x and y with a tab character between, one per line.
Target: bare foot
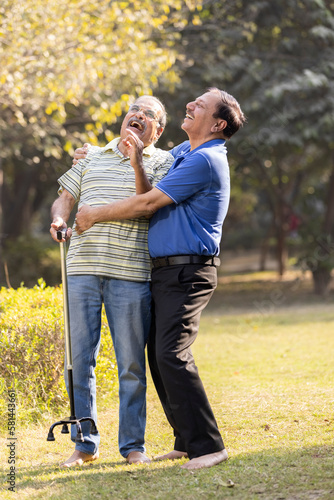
172	455
206	460
137	457
78	458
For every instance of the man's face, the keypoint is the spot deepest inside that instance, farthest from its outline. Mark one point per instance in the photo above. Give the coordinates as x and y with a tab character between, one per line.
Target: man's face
143	119
199	121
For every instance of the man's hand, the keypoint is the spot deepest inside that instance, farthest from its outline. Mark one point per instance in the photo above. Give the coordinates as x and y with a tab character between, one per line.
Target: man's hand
80	153
84	218
57	225
134	147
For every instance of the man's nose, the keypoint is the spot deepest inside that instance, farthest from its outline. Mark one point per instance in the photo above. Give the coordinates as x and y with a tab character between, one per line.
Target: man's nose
140	112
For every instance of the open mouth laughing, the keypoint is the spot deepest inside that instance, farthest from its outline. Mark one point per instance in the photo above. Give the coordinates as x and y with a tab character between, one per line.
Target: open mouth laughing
190	117
138	124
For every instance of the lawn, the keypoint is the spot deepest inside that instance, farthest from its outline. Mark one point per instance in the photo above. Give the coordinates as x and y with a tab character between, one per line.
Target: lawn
265	355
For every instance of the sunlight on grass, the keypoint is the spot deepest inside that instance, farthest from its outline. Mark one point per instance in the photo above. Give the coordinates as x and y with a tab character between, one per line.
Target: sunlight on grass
269	378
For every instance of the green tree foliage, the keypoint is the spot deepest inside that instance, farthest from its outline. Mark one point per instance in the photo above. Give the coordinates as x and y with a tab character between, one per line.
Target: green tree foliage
289	90
68	71
277	58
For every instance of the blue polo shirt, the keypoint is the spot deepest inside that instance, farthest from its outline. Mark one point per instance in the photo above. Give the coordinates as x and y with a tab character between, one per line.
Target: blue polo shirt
199	184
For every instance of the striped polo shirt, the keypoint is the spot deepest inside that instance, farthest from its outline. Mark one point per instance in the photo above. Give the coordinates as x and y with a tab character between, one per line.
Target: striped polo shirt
116	249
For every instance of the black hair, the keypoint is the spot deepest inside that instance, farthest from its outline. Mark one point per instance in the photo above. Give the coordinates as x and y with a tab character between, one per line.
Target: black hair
228	109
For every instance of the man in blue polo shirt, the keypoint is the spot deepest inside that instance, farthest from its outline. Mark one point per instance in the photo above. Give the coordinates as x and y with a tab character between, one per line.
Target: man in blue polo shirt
188	208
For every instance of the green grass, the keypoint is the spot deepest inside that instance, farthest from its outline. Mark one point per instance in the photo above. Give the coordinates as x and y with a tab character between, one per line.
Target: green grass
269	377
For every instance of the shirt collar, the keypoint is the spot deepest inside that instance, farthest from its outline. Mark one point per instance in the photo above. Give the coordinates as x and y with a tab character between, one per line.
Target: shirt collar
113	145
186	146
209	143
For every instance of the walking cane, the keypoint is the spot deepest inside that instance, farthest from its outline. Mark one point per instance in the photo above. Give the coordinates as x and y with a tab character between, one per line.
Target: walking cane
72	419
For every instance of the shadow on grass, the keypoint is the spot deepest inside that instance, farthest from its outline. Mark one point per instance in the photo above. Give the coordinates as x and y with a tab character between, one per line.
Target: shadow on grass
306	473
264	296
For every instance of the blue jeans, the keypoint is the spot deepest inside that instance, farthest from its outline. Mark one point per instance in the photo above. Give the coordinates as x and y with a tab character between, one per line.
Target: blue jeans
128	309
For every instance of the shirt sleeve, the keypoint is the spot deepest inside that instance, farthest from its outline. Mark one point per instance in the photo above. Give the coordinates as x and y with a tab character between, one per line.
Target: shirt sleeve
177	149
71	180
191	176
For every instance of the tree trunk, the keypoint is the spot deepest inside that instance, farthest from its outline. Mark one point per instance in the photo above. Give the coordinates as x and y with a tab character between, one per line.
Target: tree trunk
329	215
321	281
265	248
281	218
321	275
282	253
17	200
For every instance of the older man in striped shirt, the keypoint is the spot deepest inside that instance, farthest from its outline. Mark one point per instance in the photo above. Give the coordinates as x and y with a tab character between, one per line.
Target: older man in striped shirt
110	264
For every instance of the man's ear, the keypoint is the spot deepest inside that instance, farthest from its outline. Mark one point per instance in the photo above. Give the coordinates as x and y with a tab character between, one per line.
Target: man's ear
158	133
219	126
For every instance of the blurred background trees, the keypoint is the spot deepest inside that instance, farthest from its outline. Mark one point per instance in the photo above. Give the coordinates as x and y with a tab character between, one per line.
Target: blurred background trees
70	69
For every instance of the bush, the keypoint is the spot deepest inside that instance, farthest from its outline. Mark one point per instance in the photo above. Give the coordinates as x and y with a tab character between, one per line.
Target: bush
32	352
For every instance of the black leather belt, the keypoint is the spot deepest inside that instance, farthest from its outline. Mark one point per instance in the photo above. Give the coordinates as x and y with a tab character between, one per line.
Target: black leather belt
177	260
